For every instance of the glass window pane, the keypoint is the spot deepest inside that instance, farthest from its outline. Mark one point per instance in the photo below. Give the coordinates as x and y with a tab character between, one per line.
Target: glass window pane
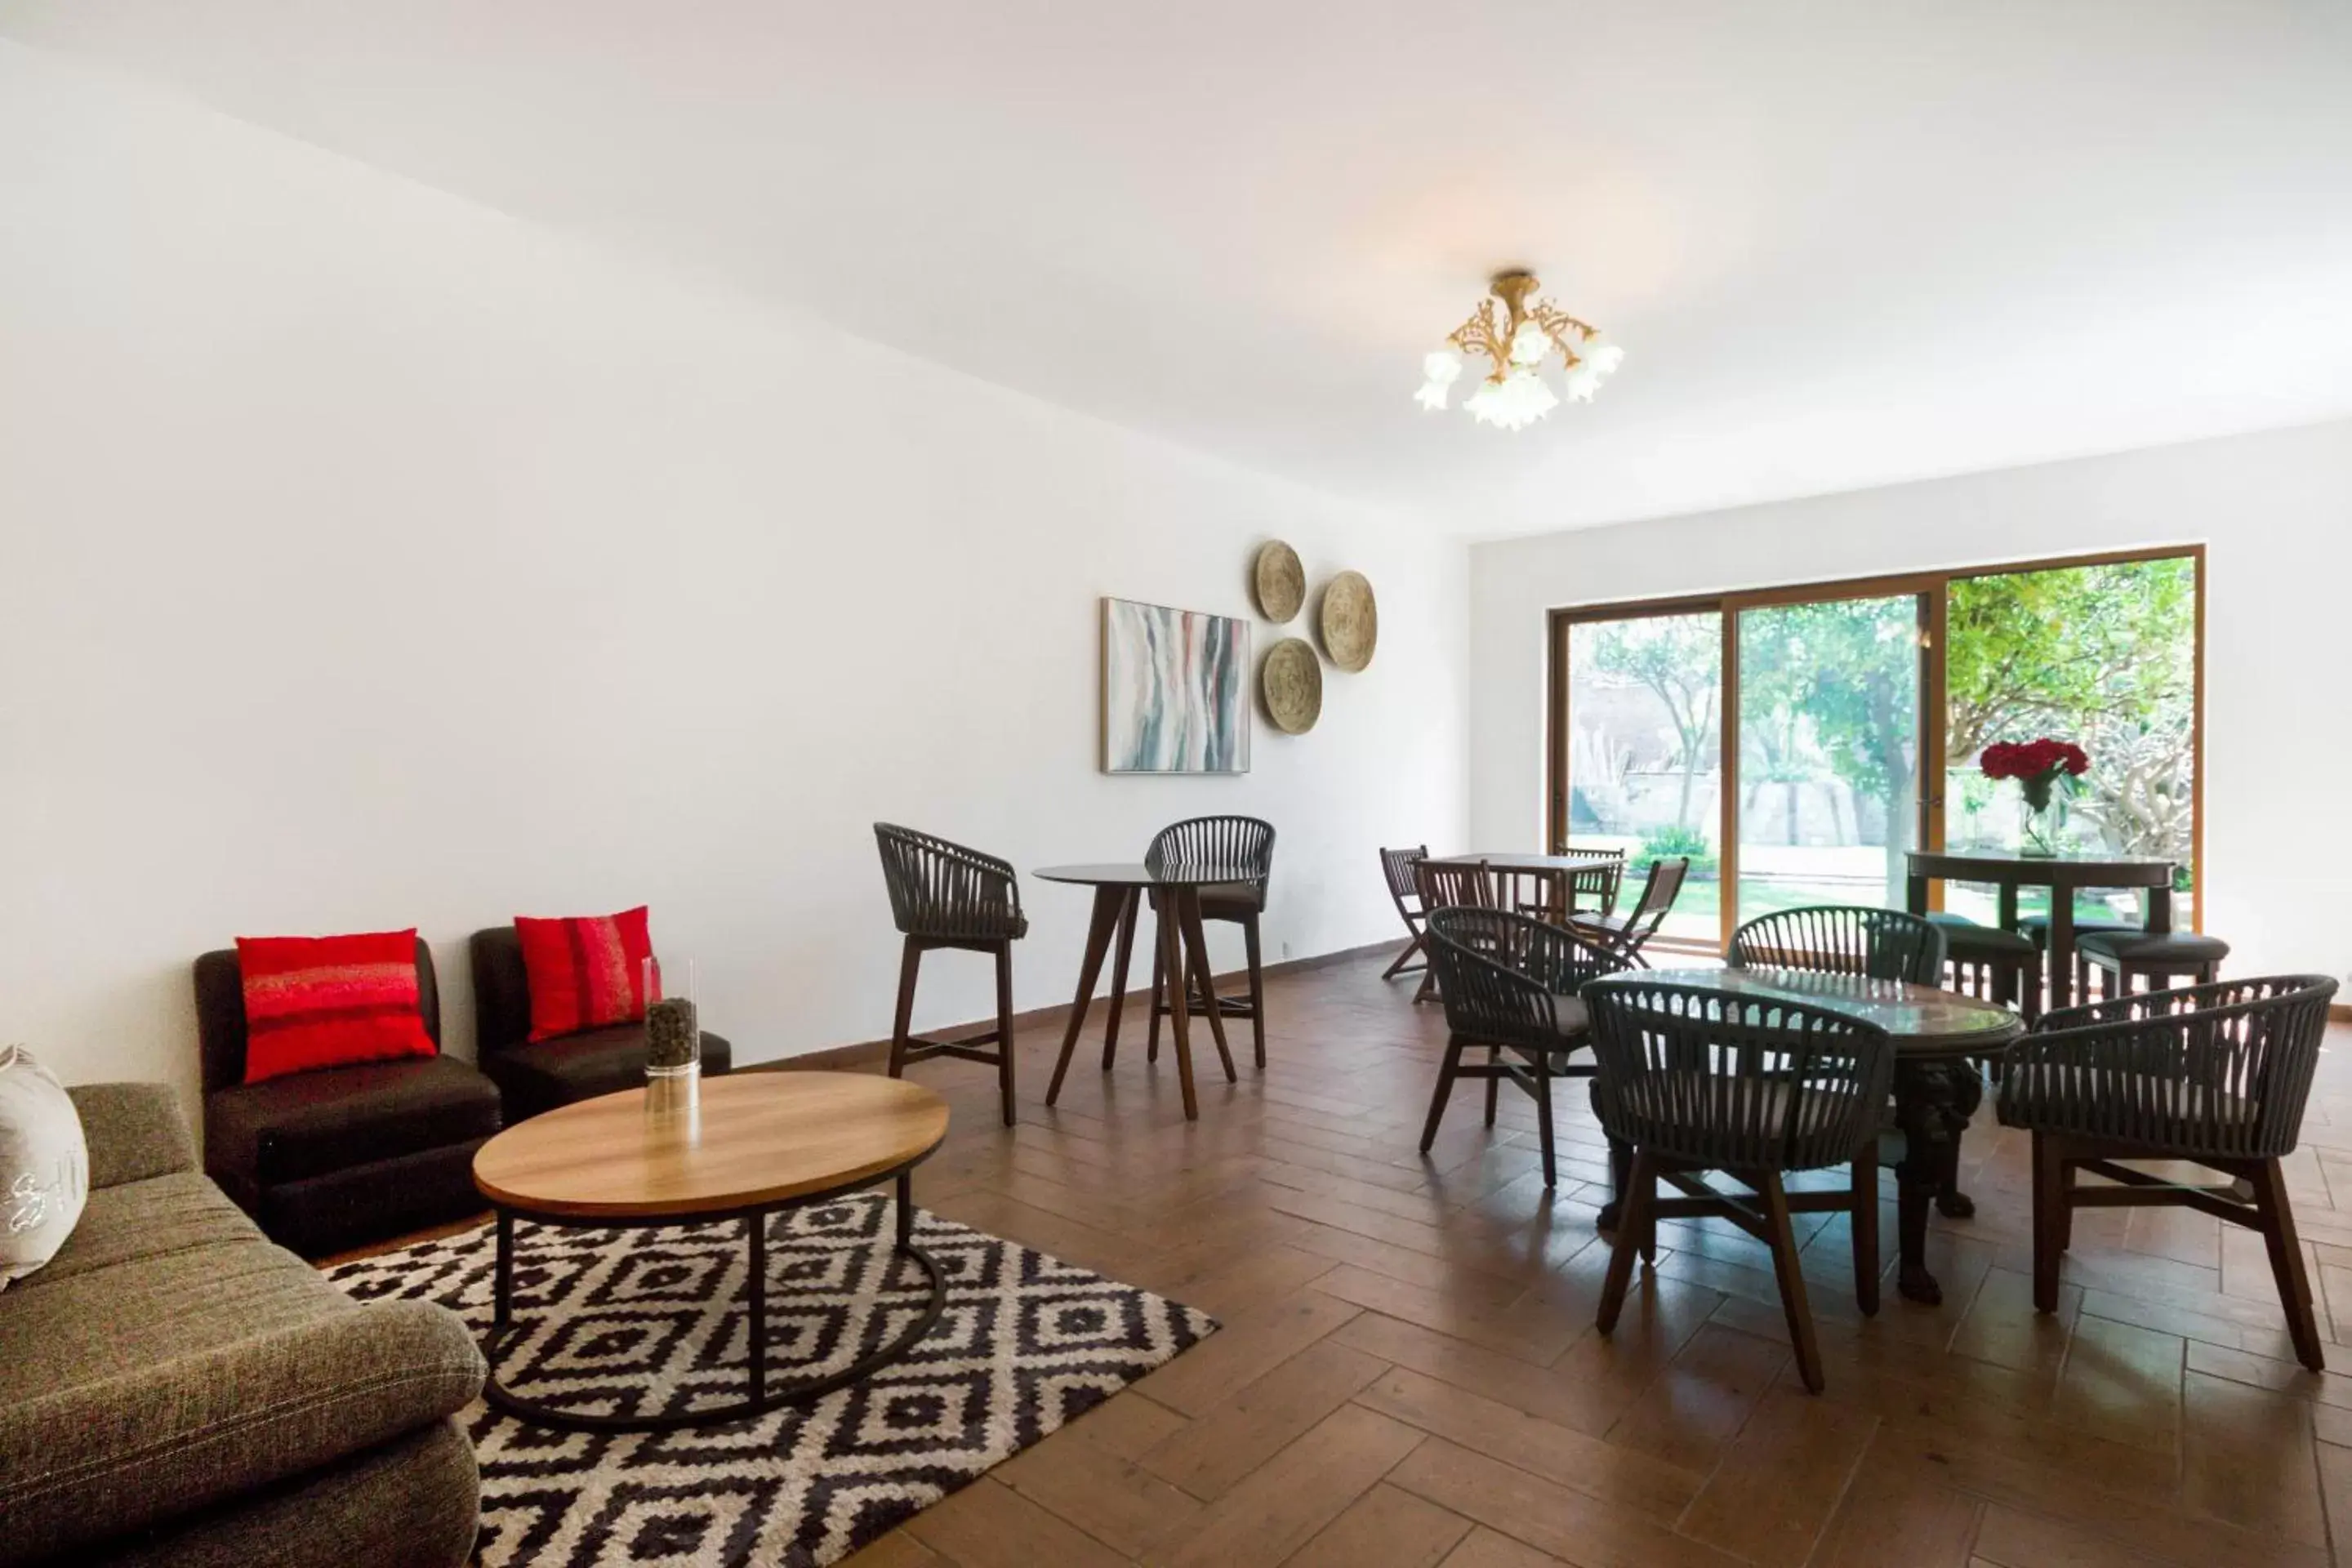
2106	657
1645	759
1828	753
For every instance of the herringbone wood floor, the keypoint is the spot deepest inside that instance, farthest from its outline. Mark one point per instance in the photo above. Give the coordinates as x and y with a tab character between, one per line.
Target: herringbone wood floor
1408	1373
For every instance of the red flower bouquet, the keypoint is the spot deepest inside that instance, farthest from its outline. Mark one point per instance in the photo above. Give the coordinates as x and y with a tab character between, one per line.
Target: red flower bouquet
2037	766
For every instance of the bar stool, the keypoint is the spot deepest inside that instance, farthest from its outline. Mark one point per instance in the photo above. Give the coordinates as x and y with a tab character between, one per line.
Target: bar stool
1246	845
944	895
2154	957
1985	961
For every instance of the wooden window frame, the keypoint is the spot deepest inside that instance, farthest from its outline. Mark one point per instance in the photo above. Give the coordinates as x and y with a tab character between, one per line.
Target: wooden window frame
1934	590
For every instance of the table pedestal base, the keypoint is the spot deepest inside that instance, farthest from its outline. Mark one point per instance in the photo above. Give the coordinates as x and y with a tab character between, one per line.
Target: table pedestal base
761	1397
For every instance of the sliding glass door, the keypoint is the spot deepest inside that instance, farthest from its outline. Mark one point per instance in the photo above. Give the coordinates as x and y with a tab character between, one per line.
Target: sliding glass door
1645	773
1828	721
1796	742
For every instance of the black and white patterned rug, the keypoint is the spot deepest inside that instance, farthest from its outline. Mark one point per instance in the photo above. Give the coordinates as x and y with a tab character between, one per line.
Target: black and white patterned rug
633	1320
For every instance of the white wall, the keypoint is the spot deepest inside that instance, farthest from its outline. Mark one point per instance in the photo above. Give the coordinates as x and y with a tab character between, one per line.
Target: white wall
2275	511
367	559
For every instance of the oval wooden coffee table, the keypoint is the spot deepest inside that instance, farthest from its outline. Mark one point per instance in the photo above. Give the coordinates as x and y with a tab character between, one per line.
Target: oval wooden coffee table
753	1143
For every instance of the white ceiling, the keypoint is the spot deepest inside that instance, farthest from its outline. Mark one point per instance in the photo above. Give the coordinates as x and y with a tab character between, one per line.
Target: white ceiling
1843	243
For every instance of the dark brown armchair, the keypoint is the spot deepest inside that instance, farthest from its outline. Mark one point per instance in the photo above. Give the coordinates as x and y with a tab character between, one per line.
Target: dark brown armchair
338	1157
535	1076
2211	1075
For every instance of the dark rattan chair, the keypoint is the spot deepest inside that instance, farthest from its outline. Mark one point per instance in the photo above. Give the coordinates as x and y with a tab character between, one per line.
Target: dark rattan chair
1625	935
1698	1080
1246	845
1509	983
1843	938
1454	887
2215	1075
944	895
1998	966
1398	866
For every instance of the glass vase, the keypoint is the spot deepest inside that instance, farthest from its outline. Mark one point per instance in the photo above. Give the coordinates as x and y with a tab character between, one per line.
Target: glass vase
2042	826
673	1025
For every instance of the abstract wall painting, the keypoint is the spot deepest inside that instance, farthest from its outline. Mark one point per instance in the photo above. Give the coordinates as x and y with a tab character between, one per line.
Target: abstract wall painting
1175	690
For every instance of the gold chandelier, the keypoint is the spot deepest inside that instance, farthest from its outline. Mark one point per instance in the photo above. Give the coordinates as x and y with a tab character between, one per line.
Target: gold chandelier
1518	339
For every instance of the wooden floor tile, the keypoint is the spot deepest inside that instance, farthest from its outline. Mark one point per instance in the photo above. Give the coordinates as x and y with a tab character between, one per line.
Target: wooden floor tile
1543	1448
1249	1346
1781	1478
1385	1528
1568	1525
1231	1439
1291	1498
990	1525
1484	1548
2247	1459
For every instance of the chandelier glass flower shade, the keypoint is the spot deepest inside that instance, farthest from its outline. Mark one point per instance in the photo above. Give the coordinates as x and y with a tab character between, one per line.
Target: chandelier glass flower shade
1518	339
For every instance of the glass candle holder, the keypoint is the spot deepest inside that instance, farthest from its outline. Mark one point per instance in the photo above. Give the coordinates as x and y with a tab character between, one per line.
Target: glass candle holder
673	1026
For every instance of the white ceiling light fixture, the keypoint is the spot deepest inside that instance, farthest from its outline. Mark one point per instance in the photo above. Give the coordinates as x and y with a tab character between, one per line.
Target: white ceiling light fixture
1516	341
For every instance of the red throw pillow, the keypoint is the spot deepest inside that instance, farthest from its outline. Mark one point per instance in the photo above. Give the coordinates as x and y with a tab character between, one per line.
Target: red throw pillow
328	1001
585	974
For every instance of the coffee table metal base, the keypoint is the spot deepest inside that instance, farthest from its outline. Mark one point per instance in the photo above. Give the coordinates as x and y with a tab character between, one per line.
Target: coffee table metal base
762	1398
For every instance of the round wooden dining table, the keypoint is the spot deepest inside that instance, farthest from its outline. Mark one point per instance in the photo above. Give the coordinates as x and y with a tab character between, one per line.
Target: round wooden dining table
2063	875
1174	893
1938	1039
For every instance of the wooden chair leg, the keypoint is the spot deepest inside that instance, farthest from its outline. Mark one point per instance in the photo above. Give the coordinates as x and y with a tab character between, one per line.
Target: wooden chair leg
1397	965
1256	990
1639	1185
910	964
2050	1207
2286	1263
1158	982
1447	1071
1863	1211
1543	1119
1799	1312
1493	1079
1005	1027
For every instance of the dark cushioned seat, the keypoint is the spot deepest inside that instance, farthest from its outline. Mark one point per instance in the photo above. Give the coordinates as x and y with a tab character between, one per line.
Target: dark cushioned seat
2037	928
338	1157
1231	900
536	1076
2153	947
311	1123
1962	934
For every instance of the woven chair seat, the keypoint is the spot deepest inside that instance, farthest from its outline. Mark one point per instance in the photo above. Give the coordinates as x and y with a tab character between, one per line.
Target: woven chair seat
2150	947
1760	1105
2056	1097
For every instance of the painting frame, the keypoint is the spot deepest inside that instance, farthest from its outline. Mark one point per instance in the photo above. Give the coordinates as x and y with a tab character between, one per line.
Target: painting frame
1175	690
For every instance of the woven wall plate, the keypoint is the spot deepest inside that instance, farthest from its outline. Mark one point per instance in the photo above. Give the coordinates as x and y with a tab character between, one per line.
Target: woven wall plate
1291	681
1351	621
1279	580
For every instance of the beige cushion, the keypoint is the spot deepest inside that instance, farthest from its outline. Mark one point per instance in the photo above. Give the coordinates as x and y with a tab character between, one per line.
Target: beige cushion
2065	1096
44	1166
